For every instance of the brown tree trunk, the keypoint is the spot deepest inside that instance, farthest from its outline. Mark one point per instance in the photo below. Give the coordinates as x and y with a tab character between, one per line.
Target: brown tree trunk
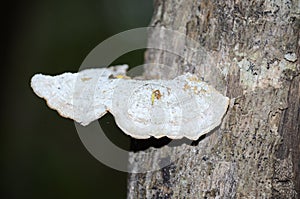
250	53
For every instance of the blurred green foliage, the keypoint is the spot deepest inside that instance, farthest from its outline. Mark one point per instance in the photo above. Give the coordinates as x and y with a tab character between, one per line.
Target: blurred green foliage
42	154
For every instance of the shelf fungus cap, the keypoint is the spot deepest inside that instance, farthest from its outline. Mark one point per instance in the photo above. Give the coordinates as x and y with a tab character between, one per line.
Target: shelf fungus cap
182	107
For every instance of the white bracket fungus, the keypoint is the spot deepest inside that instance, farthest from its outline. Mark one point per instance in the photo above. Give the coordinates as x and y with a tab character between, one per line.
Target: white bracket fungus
182	107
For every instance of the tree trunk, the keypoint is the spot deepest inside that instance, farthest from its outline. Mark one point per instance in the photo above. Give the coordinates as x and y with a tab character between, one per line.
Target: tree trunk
250	53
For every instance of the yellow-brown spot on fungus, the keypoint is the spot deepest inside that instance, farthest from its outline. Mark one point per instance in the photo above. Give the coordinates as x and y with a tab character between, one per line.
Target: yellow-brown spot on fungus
155	95
186	87
194	79
118	77
122	77
84	79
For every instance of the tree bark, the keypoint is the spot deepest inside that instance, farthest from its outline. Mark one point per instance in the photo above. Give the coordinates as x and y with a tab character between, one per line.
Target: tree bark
250	54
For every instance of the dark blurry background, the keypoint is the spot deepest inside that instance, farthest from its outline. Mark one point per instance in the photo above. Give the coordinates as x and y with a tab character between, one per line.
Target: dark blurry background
41	153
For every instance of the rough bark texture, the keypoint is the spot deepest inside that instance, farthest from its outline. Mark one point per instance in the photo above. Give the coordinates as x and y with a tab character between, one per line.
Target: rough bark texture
251	54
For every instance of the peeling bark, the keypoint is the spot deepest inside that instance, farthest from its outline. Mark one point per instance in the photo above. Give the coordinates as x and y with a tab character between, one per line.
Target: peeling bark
247	55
